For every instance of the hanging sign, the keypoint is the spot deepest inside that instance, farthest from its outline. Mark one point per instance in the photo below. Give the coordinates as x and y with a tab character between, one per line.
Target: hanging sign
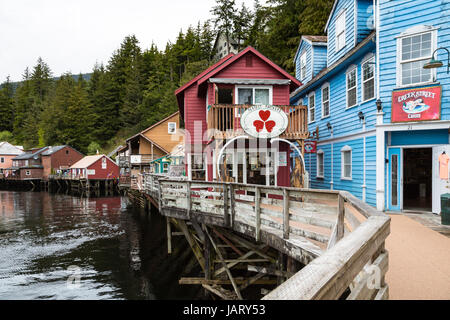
417	104
310	146
264	121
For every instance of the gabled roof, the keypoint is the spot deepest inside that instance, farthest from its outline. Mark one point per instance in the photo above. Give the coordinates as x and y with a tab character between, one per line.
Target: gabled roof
31	154
87	161
8	149
331	14
51	150
238	56
159	122
313	40
149	140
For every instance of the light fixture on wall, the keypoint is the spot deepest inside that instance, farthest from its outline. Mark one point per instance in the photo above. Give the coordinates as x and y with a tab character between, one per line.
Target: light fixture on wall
329	127
433	63
379	105
361	116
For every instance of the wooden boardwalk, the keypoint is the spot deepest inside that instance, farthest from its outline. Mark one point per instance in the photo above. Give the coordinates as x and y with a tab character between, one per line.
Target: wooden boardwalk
337	239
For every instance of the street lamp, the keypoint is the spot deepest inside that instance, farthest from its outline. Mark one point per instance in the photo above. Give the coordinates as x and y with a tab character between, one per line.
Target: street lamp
433	63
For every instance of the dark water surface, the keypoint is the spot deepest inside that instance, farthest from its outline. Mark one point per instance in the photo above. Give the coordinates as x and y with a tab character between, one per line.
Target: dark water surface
50	241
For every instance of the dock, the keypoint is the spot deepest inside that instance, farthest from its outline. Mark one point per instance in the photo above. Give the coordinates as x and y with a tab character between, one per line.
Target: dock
292	243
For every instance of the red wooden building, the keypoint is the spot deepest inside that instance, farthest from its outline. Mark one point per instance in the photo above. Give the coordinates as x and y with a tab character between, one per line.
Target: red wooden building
58	159
214	105
98	167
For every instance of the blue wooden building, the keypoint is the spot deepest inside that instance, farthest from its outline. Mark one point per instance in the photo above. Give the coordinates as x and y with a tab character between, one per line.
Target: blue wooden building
383	120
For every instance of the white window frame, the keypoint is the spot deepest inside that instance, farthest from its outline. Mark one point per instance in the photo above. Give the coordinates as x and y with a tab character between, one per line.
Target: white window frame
371	60
318	175
343	150
325	85
312	94
174	124
341	15
303	65
415	31
237	112
349	70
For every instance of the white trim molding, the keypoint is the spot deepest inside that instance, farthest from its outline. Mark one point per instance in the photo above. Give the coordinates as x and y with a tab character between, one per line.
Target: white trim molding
318	175
345	149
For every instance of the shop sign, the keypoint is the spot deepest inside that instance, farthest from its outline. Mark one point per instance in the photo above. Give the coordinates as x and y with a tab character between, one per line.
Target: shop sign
282	159
310	146
417	104
264	121
91	172
135	159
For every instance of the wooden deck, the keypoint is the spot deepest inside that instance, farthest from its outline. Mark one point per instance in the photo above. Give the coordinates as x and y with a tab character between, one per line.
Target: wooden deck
338	238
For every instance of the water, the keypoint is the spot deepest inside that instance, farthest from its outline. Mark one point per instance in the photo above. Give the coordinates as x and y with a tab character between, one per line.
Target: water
56	246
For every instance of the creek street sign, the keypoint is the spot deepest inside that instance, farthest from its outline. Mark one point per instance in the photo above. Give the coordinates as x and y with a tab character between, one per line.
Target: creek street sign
264	121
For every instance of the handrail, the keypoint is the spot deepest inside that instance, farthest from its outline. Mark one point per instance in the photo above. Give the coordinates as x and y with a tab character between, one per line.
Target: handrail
335	261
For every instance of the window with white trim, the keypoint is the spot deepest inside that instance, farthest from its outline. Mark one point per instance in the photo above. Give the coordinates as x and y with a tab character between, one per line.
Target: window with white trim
171	127
197	165
340	31
413	52
320	164
346	162
303	66
368	79
258	95
351	91
311	107
325	100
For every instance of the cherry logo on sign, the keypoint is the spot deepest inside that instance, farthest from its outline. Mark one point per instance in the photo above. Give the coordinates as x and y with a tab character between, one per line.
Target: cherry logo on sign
259	124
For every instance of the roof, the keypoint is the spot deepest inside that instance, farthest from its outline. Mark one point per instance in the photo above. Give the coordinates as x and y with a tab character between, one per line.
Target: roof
30	154
51	150
216	70
331	14
87	161
160	121
313	40
335	65
7	148
149	140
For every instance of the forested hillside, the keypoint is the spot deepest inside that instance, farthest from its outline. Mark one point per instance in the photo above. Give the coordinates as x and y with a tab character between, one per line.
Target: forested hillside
135	88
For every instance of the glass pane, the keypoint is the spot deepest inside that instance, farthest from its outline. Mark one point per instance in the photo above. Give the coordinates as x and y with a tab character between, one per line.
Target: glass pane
394	179
368	70
325	94
369	89
347	171
245	96
262	96
351	97
351	79
326	109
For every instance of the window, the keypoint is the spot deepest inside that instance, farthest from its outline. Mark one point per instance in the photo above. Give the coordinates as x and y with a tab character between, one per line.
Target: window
368	79
172	127
253	95
67	151
311	108
104	163
2	160
325	100
346	163
28	173
351	87
303	66
414	51
320	164
165	167
340	31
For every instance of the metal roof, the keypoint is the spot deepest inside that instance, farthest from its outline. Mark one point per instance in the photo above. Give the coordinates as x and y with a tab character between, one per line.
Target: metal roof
7	149
52	150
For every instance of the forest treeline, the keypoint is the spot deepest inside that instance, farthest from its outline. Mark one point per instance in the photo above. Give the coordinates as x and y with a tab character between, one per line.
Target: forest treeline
135	88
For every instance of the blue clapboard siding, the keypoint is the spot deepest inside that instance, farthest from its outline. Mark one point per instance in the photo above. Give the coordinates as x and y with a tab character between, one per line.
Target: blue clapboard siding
398	16
355	186
320	58
419	137
305	46
349	7
364	19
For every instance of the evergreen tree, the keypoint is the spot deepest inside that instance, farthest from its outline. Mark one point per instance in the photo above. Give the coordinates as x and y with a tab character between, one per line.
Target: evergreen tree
224	12
6	106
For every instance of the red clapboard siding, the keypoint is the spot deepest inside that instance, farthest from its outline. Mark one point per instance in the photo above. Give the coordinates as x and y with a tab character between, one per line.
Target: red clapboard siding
195	114
111	171
258	70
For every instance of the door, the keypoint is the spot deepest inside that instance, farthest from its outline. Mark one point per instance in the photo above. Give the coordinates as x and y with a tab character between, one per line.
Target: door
394	187
439	186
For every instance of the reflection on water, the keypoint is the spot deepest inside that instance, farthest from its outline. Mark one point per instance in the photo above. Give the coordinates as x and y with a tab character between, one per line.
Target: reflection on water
114	251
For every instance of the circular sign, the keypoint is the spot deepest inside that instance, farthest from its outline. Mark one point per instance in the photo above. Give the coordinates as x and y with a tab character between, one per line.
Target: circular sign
264	121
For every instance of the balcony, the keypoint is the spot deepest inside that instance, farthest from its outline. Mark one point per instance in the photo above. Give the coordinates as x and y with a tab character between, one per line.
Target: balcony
225	119
123	161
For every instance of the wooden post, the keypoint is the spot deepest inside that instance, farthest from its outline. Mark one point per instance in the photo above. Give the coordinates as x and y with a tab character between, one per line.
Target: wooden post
225	205
258	213
169	236
188	195
232	206
340	219
285	213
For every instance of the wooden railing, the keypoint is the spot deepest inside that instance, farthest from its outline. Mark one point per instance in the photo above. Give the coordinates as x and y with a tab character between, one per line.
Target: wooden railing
338	237
224	121
123	161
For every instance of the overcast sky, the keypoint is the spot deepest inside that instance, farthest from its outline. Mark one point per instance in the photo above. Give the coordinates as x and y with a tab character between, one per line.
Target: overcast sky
73	35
